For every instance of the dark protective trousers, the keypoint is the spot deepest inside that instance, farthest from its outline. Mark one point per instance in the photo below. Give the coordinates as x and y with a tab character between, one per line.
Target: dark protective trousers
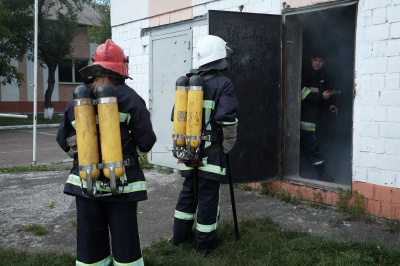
309	143
96	220
207	213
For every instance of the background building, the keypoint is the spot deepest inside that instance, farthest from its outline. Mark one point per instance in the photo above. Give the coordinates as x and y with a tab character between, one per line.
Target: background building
19	99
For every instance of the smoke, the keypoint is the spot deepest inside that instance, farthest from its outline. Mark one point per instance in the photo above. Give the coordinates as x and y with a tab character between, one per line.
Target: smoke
332	32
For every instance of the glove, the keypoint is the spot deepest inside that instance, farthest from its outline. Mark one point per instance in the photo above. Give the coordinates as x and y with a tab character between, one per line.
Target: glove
71	141
229	133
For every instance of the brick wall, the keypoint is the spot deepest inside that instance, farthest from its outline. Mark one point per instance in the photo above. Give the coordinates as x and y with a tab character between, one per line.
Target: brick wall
380	201
128	36
376	147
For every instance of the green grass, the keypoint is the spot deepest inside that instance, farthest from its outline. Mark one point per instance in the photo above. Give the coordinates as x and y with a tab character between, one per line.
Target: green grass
36	229
27	168
8	121
23	258
164	170
144	163
262	242
52	205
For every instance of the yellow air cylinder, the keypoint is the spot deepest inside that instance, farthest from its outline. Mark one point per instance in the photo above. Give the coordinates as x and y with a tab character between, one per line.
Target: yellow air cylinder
110	132
180	111
86	131
195	111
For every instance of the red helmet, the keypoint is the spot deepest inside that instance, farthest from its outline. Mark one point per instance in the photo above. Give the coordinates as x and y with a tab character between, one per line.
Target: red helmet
108	60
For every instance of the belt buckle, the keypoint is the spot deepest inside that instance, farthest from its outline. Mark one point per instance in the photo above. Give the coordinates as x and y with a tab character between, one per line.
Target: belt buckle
127	162
206	137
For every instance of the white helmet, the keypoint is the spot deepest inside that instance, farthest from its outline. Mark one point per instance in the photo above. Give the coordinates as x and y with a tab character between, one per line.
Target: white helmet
211	48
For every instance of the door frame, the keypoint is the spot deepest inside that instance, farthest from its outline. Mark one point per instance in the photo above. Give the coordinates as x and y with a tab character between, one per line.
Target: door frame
290	172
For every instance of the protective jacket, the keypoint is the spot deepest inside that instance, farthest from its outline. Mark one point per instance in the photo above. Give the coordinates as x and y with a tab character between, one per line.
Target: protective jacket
313	84
220	105
137	137
219	109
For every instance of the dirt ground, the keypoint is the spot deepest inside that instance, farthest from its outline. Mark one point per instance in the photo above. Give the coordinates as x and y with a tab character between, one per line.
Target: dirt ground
37	198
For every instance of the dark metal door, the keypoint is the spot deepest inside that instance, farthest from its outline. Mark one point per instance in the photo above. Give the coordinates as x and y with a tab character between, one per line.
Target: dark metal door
255	69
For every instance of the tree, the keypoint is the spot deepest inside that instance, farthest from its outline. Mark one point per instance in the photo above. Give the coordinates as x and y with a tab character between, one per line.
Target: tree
99	34
57	27
15	27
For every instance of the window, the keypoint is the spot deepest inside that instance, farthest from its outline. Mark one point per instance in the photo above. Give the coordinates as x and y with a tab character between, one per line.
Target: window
68	71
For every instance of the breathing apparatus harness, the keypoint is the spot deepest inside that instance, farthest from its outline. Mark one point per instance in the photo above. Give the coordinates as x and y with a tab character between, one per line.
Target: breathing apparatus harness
183	148
97	154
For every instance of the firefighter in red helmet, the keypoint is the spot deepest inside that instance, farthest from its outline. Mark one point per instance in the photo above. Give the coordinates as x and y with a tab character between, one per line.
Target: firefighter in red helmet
102	212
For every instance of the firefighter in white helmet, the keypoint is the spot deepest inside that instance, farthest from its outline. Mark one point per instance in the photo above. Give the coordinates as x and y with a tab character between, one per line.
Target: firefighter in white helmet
104	213
220	105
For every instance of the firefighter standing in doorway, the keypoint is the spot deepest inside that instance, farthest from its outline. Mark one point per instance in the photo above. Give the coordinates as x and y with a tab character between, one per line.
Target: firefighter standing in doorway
315	97
219	125
106	212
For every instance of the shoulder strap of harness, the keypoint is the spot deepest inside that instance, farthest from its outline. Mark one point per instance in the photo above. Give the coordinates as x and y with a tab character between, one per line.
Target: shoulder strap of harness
130	160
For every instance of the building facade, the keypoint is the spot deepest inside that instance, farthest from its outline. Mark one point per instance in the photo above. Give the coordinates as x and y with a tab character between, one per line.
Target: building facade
19	99
271	39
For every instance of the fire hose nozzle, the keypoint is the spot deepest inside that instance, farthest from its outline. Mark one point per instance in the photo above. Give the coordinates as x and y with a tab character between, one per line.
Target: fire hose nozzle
334	92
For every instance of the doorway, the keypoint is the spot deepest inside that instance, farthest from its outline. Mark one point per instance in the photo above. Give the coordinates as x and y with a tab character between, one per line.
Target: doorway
332	31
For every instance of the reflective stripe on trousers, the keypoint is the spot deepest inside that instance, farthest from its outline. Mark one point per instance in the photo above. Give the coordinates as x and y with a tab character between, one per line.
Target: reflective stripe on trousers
105	262
207	207
184	215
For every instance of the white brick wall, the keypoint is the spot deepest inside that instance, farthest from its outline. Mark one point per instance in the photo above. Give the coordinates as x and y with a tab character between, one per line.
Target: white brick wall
379	16
376	138
137	48
393	13
377	32
374	4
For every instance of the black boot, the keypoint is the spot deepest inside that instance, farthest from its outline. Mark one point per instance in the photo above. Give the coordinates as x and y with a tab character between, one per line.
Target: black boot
323	176
211	246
